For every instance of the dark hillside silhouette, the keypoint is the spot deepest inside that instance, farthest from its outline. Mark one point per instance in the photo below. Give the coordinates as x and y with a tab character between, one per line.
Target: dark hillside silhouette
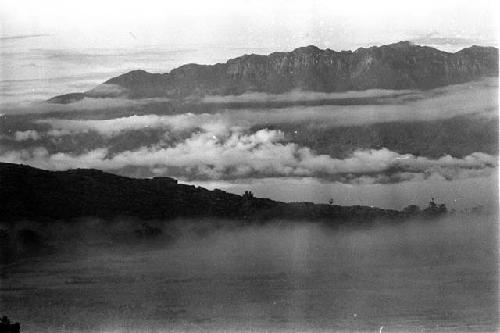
28	193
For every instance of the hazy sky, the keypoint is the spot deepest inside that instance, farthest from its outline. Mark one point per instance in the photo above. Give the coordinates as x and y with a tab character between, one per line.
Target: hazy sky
268	24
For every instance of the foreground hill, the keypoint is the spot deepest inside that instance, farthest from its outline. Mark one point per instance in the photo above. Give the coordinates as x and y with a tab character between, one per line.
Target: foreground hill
34	194
401	65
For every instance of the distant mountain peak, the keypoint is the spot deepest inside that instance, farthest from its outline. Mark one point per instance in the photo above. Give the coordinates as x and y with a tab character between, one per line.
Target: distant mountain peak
308	49
403	44
401	65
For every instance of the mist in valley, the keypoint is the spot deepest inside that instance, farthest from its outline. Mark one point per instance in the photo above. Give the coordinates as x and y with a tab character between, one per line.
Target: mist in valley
212	275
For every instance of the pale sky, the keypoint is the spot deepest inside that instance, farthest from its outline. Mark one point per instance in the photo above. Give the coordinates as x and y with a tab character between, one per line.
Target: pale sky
279	25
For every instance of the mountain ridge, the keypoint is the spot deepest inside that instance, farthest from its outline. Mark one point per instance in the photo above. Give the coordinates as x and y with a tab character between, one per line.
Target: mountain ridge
28	193
397	66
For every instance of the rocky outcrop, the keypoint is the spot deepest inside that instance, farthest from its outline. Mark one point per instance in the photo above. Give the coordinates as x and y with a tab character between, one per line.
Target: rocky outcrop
401	65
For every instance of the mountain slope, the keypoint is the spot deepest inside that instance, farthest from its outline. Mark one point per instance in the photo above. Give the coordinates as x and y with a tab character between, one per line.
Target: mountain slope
396	66
28	193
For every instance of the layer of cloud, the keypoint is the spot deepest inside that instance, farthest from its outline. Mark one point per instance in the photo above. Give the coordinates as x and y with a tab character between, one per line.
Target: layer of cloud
452	43
86	104
300	95
443	106
232	153
26	135
474	89
479	97
18	37
367	107
112	127
226	144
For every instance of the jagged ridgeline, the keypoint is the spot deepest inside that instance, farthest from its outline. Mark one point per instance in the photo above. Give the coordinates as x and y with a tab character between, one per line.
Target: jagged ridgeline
28	193
401	65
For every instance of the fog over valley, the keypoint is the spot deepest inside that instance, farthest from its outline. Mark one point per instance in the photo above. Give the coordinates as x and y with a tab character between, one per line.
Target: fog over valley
214	275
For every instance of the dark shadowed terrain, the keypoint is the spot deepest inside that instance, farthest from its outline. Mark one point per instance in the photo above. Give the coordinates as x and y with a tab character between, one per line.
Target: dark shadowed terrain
41	195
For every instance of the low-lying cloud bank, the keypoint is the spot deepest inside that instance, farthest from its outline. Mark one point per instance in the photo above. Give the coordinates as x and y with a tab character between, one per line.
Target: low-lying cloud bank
244	143
473	89
87	104
217	151
26	135
113	127
354	107
301	95
475	98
